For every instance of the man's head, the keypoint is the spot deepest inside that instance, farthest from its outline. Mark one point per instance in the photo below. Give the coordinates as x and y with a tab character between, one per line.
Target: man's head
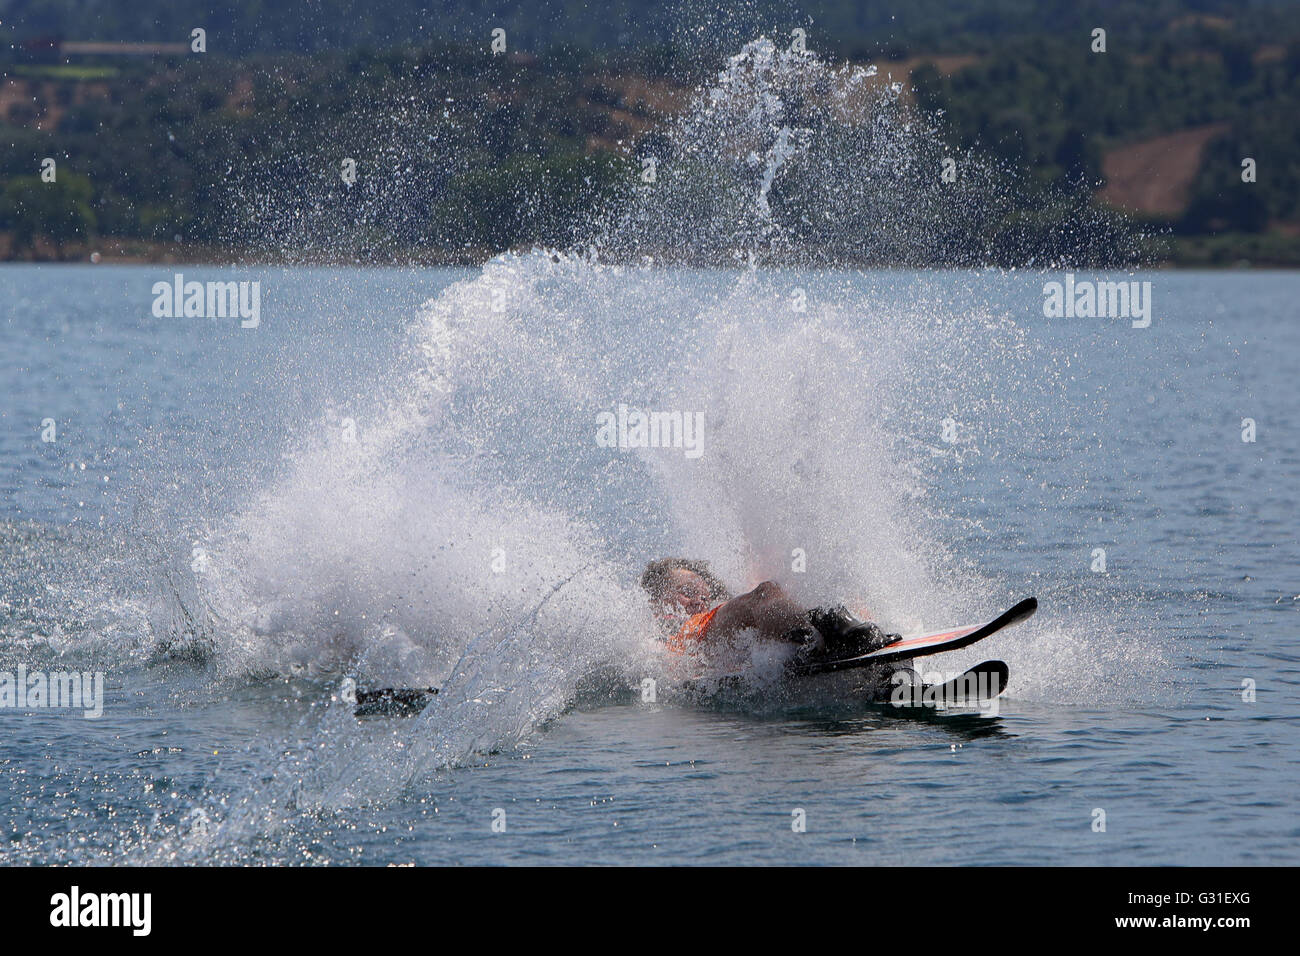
683	583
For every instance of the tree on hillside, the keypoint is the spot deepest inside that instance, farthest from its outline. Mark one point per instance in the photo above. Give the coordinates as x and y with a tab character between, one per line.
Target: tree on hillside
59	211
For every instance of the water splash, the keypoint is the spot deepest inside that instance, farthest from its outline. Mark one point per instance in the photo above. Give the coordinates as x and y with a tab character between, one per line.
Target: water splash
472	534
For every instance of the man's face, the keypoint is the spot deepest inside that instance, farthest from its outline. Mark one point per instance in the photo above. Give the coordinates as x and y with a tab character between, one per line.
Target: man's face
687	590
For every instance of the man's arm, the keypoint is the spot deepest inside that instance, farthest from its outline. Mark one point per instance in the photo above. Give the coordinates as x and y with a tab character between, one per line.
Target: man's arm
767	609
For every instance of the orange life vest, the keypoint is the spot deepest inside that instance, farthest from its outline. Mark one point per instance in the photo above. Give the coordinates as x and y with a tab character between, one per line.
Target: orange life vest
695	629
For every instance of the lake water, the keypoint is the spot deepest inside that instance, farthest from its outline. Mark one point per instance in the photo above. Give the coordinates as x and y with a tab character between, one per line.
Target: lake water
395	478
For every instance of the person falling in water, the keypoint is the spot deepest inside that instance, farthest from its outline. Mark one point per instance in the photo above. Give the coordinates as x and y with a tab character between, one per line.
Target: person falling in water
698	615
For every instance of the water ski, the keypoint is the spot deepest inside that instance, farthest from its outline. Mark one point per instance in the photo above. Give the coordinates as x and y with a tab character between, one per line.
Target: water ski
922	644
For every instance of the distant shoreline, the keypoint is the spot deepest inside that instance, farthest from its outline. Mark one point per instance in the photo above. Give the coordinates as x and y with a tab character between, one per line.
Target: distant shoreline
137	252
141	252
